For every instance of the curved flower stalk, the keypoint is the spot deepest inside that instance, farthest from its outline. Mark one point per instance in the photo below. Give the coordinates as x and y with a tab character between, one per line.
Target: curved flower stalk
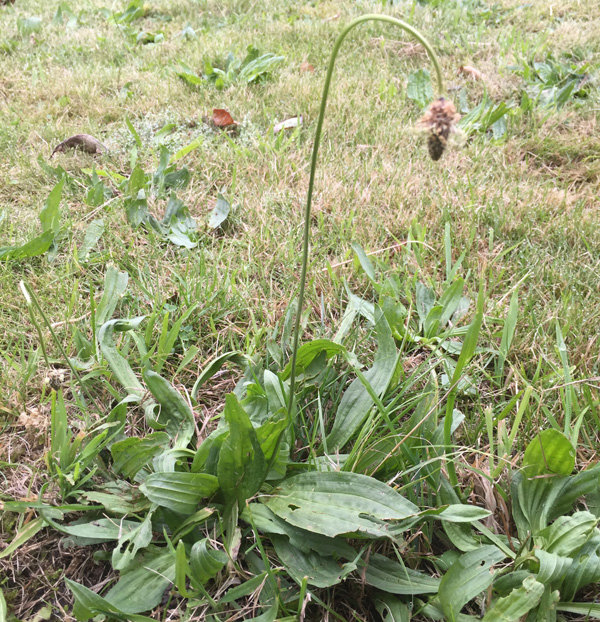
438	122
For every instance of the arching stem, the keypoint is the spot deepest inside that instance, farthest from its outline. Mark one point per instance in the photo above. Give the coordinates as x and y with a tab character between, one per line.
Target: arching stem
313	166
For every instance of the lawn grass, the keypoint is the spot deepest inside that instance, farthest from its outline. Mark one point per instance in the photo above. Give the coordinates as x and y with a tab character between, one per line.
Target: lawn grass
522	208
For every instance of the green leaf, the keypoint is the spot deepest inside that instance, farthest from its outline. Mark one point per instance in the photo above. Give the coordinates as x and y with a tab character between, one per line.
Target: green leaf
458	513
391	609
93	233
584	570
118	364
242	466
549	452
468	576
214	366
205	561
513	607
115	286
567	534
175	413
27	531
318	570
419	88
309	351
356	401
395	578
88	604
132	454
3	609
180	492
142	588
588	610
101	530
258	67
333	503
220	213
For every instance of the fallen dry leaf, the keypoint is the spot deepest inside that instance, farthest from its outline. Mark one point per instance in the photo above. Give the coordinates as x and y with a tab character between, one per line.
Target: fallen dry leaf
222	118
85	142
306	66
288	124
472	72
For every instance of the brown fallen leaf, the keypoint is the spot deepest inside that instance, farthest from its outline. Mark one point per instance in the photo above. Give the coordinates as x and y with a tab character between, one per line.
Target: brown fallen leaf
7	1
222	120
472	72
85	142
306	66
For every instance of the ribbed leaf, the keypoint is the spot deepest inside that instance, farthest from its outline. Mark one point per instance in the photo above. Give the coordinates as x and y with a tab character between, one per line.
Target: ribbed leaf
511	608
318	570
142	589
175	413
205	561
132	454
584	570
549	452
356	401
391	576
179	492
332	503
242	466
468	576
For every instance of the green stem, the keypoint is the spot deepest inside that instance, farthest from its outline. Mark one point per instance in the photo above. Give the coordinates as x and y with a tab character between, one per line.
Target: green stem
313	166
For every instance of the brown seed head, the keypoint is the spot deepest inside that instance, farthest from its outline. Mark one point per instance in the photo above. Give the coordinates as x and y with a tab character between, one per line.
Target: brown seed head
438	121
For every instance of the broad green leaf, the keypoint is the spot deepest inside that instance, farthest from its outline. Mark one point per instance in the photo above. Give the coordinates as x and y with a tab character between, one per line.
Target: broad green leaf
220	212
391	576
567	534
175	414
50	214
459	513
101	530
419	88
391	609
550	452
25	533
205	561
333	503
258	67
93	233
142	588
318	570
470	575
584	570
266	521
88	605
37	246
117	363
425	301
115	285
242	466
180	492
131	542
356	402
132	454
553	568
588	610
214	366
513	607
307	353
538	501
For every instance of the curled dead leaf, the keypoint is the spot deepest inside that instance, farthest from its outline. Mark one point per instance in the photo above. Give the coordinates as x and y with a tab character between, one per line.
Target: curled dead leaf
288	124
472	72
222	120
85	142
